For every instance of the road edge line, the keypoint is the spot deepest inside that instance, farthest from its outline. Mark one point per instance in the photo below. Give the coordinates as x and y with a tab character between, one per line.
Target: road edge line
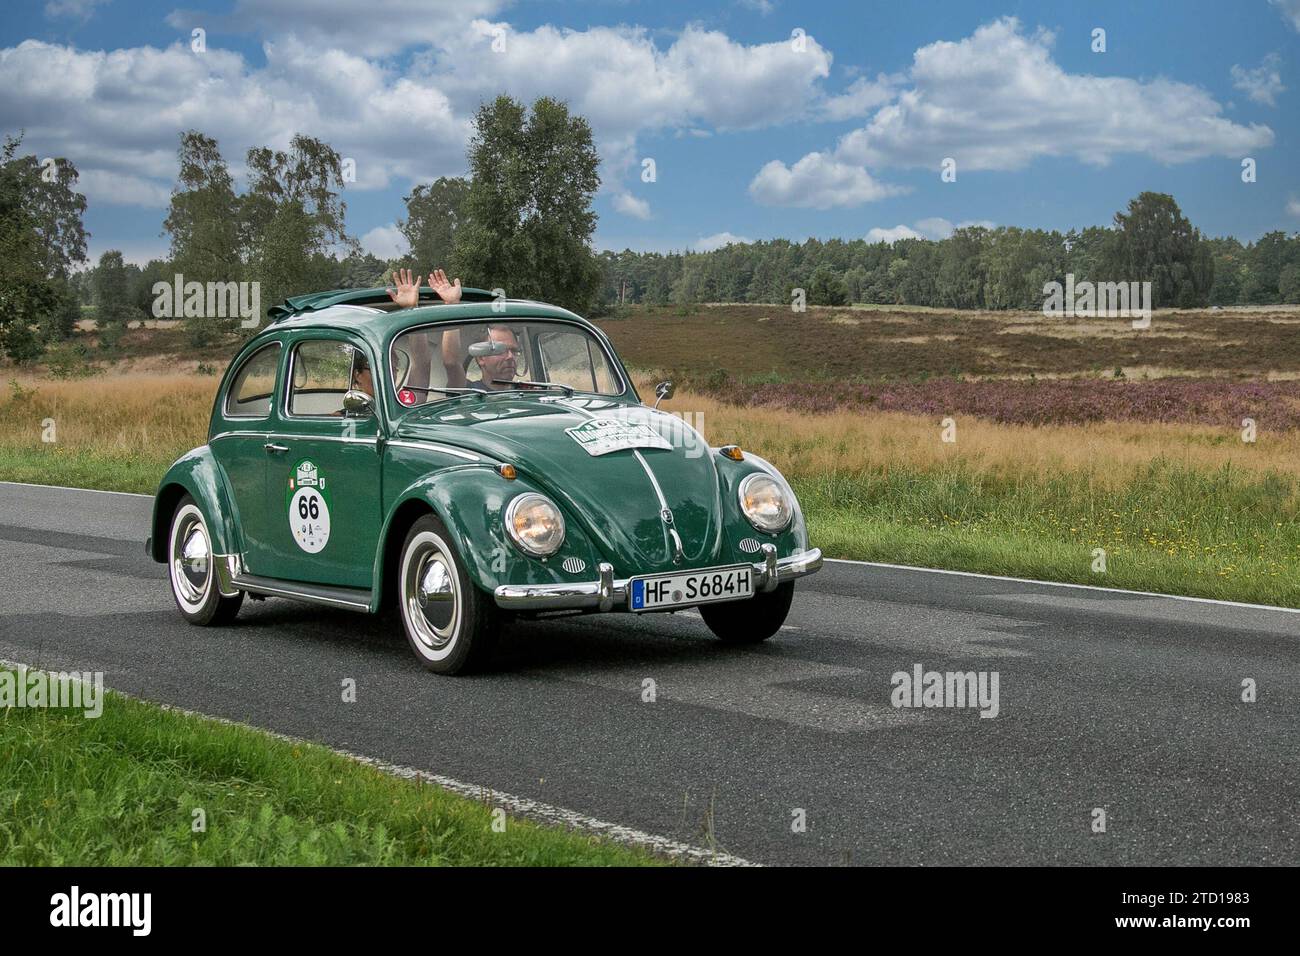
1067	584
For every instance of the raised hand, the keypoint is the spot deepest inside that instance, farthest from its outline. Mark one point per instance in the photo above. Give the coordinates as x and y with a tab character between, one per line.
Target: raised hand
405	288
447	291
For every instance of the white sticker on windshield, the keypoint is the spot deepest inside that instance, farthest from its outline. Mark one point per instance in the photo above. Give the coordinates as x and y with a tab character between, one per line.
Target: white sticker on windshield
600	436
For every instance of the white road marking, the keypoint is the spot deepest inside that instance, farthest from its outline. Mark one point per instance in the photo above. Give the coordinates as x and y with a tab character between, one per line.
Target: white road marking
521	806
1063	584
97	491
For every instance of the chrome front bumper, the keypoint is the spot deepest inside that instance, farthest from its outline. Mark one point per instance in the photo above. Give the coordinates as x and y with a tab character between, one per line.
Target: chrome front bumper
607	594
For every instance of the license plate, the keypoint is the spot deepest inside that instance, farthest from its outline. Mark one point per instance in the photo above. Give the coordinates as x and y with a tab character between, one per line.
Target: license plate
693	587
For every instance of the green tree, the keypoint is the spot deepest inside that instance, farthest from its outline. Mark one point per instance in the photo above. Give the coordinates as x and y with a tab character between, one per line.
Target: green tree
825	287
528	216
41	236
113	298
1158	245
203	221
434	213
292	217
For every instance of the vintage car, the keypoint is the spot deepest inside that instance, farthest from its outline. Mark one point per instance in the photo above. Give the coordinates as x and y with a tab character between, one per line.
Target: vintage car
464	464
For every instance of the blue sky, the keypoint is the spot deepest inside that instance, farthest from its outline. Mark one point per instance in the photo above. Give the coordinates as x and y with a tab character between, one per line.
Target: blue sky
756	130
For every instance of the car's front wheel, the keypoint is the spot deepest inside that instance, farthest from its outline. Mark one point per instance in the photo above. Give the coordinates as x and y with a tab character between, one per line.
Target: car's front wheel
450	624
752	620
191	568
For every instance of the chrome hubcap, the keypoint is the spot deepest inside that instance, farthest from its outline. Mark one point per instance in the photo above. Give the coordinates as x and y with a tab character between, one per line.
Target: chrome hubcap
191	560
431	595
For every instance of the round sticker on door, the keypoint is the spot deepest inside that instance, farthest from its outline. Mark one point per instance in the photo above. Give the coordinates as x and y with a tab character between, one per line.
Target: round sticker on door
309	509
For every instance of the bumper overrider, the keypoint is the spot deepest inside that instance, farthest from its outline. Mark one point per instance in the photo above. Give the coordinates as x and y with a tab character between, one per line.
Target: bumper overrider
608	594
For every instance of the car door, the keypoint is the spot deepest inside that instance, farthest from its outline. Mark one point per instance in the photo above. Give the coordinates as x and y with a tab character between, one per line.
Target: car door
323	470
243	421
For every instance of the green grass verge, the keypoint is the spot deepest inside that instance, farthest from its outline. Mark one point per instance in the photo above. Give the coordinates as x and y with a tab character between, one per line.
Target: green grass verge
121	790
1173	530
1230	535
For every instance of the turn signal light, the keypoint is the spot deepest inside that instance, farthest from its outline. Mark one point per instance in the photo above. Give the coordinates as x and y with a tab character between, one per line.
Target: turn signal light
507	472
733	452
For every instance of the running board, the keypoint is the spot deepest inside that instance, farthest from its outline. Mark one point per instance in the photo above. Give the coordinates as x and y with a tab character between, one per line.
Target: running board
354	599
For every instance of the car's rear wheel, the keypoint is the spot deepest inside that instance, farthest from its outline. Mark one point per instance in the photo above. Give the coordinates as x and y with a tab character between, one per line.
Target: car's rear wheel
450	624
752	620
192	571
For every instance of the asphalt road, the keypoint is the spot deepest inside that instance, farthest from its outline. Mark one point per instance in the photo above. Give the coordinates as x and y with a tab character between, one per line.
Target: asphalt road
1127	703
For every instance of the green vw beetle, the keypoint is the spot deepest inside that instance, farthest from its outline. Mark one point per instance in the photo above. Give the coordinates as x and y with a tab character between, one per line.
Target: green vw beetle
466	463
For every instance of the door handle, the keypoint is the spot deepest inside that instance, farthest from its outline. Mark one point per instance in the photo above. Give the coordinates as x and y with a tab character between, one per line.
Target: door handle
273	449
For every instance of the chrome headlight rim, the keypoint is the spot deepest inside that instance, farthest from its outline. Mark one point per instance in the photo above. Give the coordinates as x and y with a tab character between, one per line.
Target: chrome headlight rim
786	496
521	500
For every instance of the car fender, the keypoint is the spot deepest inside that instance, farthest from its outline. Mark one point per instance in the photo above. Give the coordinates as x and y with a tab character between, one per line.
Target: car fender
793	539
197	474
470	502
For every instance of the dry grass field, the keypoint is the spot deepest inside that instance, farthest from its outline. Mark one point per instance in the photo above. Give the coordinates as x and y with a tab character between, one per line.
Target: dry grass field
1179	508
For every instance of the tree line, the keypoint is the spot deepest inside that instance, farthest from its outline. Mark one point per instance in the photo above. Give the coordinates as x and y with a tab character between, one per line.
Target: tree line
976	267
522	221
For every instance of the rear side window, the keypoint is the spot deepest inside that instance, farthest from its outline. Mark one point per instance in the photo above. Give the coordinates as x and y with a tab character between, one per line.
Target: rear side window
254	384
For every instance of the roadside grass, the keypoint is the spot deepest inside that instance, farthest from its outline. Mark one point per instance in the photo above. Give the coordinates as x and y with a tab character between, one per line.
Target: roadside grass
121	790
1183	509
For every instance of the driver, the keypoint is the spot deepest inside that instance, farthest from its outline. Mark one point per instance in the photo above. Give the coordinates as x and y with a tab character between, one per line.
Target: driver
493	369
496	371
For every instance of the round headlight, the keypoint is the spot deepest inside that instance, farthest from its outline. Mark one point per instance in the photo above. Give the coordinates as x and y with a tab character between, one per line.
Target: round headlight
765	503
535	524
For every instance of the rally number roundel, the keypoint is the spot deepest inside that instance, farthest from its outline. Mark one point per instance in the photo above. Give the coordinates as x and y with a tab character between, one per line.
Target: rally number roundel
309	510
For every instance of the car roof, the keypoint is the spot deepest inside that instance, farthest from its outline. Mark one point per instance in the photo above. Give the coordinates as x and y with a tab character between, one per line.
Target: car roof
358	310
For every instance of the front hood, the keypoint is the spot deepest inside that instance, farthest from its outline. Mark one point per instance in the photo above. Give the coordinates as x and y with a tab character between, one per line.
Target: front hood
614	494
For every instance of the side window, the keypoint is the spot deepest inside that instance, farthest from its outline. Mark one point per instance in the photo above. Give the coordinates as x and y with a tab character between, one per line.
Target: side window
322	372
251	388
577	360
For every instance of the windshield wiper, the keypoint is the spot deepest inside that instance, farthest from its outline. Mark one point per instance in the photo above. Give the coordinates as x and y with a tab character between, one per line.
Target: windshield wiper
524	386
443	389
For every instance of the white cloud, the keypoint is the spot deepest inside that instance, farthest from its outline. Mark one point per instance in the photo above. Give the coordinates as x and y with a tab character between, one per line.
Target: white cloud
717	241
998	101
900	231
122	189
630	205
862	96
117	116
625	84
935	227
73	9
1290	10
818	181
385	242
1263	83
765	7
1293	206
383	27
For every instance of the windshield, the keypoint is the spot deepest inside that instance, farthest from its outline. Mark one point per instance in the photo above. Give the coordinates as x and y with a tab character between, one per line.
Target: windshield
435	363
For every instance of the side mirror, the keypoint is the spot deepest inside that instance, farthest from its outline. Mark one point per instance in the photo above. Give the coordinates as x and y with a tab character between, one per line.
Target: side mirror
663	390
357	404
